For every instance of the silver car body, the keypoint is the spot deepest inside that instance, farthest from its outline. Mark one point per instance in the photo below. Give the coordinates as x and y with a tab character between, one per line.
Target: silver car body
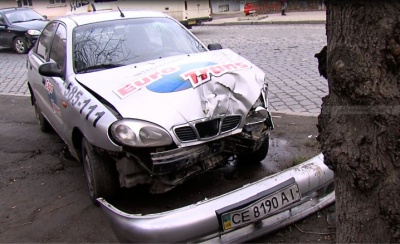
195	110
197	100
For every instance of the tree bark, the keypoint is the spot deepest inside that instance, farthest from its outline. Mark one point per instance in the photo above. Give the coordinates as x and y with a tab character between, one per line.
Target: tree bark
359	124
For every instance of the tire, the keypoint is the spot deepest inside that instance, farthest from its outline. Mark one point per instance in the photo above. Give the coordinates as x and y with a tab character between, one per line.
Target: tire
100	173
44	125
258	155
20	45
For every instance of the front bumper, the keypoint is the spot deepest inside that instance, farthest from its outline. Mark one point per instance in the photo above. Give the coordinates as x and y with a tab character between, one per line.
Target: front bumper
198	222
30	40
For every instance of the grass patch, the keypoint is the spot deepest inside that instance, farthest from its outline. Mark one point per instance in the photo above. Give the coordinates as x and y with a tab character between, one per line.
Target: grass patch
298	160
311	143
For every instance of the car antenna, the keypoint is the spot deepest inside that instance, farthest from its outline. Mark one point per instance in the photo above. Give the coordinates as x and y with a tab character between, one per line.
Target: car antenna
122	14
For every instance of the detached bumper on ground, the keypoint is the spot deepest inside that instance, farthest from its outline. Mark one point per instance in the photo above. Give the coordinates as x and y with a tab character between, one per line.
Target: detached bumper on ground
200	222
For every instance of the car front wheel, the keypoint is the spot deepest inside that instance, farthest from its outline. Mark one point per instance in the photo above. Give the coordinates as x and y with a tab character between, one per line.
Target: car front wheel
258	155
100	172
20	45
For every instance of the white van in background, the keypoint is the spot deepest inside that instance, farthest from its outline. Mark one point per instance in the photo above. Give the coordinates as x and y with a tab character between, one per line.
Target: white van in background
189	12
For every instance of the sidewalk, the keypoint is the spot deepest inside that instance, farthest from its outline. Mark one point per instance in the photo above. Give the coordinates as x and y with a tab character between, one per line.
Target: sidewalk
303	17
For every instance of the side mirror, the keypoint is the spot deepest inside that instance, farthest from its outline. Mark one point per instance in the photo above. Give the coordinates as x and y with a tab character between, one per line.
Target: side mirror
45	17
50	70
214	46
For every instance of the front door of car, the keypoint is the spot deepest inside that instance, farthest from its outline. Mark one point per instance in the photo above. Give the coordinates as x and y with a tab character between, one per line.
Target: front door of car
3	30
39	56
47	90
7	32
55	85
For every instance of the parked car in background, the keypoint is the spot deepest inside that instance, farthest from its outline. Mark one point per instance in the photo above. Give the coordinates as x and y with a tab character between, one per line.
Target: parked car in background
20	28
261	7
250	7
140	100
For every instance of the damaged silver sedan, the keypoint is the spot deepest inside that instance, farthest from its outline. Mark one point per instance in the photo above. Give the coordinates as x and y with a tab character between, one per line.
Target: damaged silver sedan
140	100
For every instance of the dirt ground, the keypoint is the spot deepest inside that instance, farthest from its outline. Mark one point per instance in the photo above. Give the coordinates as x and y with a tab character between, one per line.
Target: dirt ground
44	196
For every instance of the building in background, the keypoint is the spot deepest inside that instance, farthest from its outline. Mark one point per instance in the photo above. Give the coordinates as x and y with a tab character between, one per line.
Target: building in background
226	6
55	8
188	12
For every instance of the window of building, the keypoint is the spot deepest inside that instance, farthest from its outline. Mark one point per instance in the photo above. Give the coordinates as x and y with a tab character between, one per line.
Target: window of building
56	1
23	3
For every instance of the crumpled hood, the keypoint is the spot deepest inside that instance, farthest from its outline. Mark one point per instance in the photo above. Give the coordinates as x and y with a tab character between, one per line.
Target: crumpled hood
176	90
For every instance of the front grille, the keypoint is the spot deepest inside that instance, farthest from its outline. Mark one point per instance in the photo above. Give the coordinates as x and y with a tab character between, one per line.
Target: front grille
230	123
207	129
185	133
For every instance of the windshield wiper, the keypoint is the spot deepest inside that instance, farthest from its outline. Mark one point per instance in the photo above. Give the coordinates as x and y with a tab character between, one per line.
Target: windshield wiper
98	67
34	19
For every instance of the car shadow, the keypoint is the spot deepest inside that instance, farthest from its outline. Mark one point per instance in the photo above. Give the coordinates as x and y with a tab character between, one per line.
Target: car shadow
6	50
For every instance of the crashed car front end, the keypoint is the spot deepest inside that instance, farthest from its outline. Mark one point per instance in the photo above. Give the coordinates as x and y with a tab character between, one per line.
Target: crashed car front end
206	221
204	144
184	115
170	167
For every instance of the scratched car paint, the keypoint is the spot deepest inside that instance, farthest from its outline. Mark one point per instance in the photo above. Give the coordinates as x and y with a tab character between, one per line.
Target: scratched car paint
140	100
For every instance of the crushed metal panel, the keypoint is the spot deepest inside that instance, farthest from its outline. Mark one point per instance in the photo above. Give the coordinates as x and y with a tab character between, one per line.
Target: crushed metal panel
315	182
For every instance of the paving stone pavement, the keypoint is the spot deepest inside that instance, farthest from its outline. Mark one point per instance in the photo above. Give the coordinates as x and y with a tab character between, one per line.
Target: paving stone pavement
12	73
284	52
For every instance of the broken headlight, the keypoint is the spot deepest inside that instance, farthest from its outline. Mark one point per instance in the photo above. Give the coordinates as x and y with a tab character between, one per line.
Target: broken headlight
258	113
137	133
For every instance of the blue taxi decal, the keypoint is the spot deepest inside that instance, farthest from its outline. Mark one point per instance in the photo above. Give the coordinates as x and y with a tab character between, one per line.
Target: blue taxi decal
178	78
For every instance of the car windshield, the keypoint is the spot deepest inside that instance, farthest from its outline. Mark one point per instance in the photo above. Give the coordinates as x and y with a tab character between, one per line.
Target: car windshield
23	16
122	42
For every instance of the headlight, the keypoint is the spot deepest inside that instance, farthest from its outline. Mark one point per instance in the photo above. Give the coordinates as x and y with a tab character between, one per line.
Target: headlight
33	32
137	133
257	116
258	113
264	91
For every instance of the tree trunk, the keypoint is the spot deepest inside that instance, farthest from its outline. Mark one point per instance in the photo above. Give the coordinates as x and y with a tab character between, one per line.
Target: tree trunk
359	124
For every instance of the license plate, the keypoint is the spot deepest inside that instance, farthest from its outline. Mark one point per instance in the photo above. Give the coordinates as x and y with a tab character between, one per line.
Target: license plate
192	22
252	11
259	207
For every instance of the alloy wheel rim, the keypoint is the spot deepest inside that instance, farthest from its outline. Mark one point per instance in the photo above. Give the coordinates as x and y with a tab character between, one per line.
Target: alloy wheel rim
20	46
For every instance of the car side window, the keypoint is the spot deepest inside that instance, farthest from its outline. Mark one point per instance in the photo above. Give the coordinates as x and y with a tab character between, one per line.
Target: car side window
45	40
58	48
1	19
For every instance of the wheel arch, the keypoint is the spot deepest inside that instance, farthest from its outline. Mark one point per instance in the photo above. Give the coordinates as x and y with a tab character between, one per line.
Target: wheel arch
77	137
32	95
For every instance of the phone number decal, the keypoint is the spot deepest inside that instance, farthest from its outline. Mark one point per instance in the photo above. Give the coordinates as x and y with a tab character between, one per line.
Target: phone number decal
87	109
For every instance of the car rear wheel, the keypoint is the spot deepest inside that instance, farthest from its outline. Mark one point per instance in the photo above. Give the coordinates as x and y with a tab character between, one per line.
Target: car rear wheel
20	45
43	123
100	172
258	155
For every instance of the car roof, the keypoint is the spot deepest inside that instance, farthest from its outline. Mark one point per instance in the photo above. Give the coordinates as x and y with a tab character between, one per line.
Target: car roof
5	10
106	15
